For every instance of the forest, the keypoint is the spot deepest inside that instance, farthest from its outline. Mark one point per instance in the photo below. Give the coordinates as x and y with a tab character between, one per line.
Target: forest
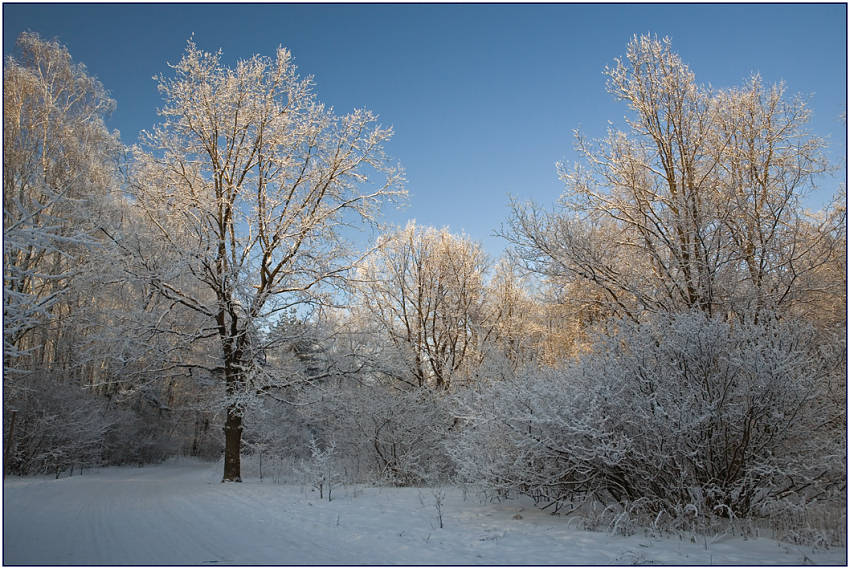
665	340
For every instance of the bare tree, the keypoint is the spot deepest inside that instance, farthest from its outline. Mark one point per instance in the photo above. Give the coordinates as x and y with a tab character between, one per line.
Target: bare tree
767	161
426	290
59	169
695	205
250	182
528	327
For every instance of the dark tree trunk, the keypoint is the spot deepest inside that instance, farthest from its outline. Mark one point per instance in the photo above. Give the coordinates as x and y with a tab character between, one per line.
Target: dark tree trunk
232	444
10	439
232	383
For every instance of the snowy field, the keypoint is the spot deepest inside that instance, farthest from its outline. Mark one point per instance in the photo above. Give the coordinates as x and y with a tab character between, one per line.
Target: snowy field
180	514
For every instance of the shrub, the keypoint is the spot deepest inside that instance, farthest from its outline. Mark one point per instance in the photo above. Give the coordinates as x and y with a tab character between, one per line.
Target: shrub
684	414
57	426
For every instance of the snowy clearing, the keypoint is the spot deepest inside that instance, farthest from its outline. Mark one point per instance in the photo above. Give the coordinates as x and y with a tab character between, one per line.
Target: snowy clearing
179	513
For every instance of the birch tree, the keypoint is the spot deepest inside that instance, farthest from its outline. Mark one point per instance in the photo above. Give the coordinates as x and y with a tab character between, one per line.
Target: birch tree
251	184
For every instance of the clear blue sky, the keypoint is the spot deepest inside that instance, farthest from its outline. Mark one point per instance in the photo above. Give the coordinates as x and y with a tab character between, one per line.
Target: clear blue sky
483	98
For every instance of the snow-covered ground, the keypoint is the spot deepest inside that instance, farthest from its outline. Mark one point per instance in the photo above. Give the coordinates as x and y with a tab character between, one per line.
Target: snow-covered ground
180	514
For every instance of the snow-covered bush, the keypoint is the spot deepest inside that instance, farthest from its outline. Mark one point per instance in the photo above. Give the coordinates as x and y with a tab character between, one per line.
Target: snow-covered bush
374	432
392	435
276	440
685	414
143	433
56	426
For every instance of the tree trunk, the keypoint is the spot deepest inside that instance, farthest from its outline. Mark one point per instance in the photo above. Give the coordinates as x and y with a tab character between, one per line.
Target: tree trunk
10	438
232	444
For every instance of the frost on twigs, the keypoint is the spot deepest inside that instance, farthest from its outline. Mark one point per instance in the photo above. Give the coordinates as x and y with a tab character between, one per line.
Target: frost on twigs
321	468
248	183
694	203
681	416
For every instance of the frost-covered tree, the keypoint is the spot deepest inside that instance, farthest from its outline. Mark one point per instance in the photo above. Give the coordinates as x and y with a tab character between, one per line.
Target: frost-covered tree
767	158
514	316
59	172
426	290
695	204
250	183
78	373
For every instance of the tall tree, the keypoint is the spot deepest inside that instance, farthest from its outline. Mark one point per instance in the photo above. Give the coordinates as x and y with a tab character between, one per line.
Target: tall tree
250	183
766	162
59	170
696	204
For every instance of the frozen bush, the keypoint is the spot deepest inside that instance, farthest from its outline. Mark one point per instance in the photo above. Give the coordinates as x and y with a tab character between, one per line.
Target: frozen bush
394	435
375	432
57	426
684	414
277	438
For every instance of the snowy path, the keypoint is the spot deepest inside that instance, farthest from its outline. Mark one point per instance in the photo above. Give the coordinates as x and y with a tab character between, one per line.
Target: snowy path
180	514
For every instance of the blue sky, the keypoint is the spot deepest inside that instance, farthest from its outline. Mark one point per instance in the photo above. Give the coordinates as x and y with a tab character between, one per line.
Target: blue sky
483	97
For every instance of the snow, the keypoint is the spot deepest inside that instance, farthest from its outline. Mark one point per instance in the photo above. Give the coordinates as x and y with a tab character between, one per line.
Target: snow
178	513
